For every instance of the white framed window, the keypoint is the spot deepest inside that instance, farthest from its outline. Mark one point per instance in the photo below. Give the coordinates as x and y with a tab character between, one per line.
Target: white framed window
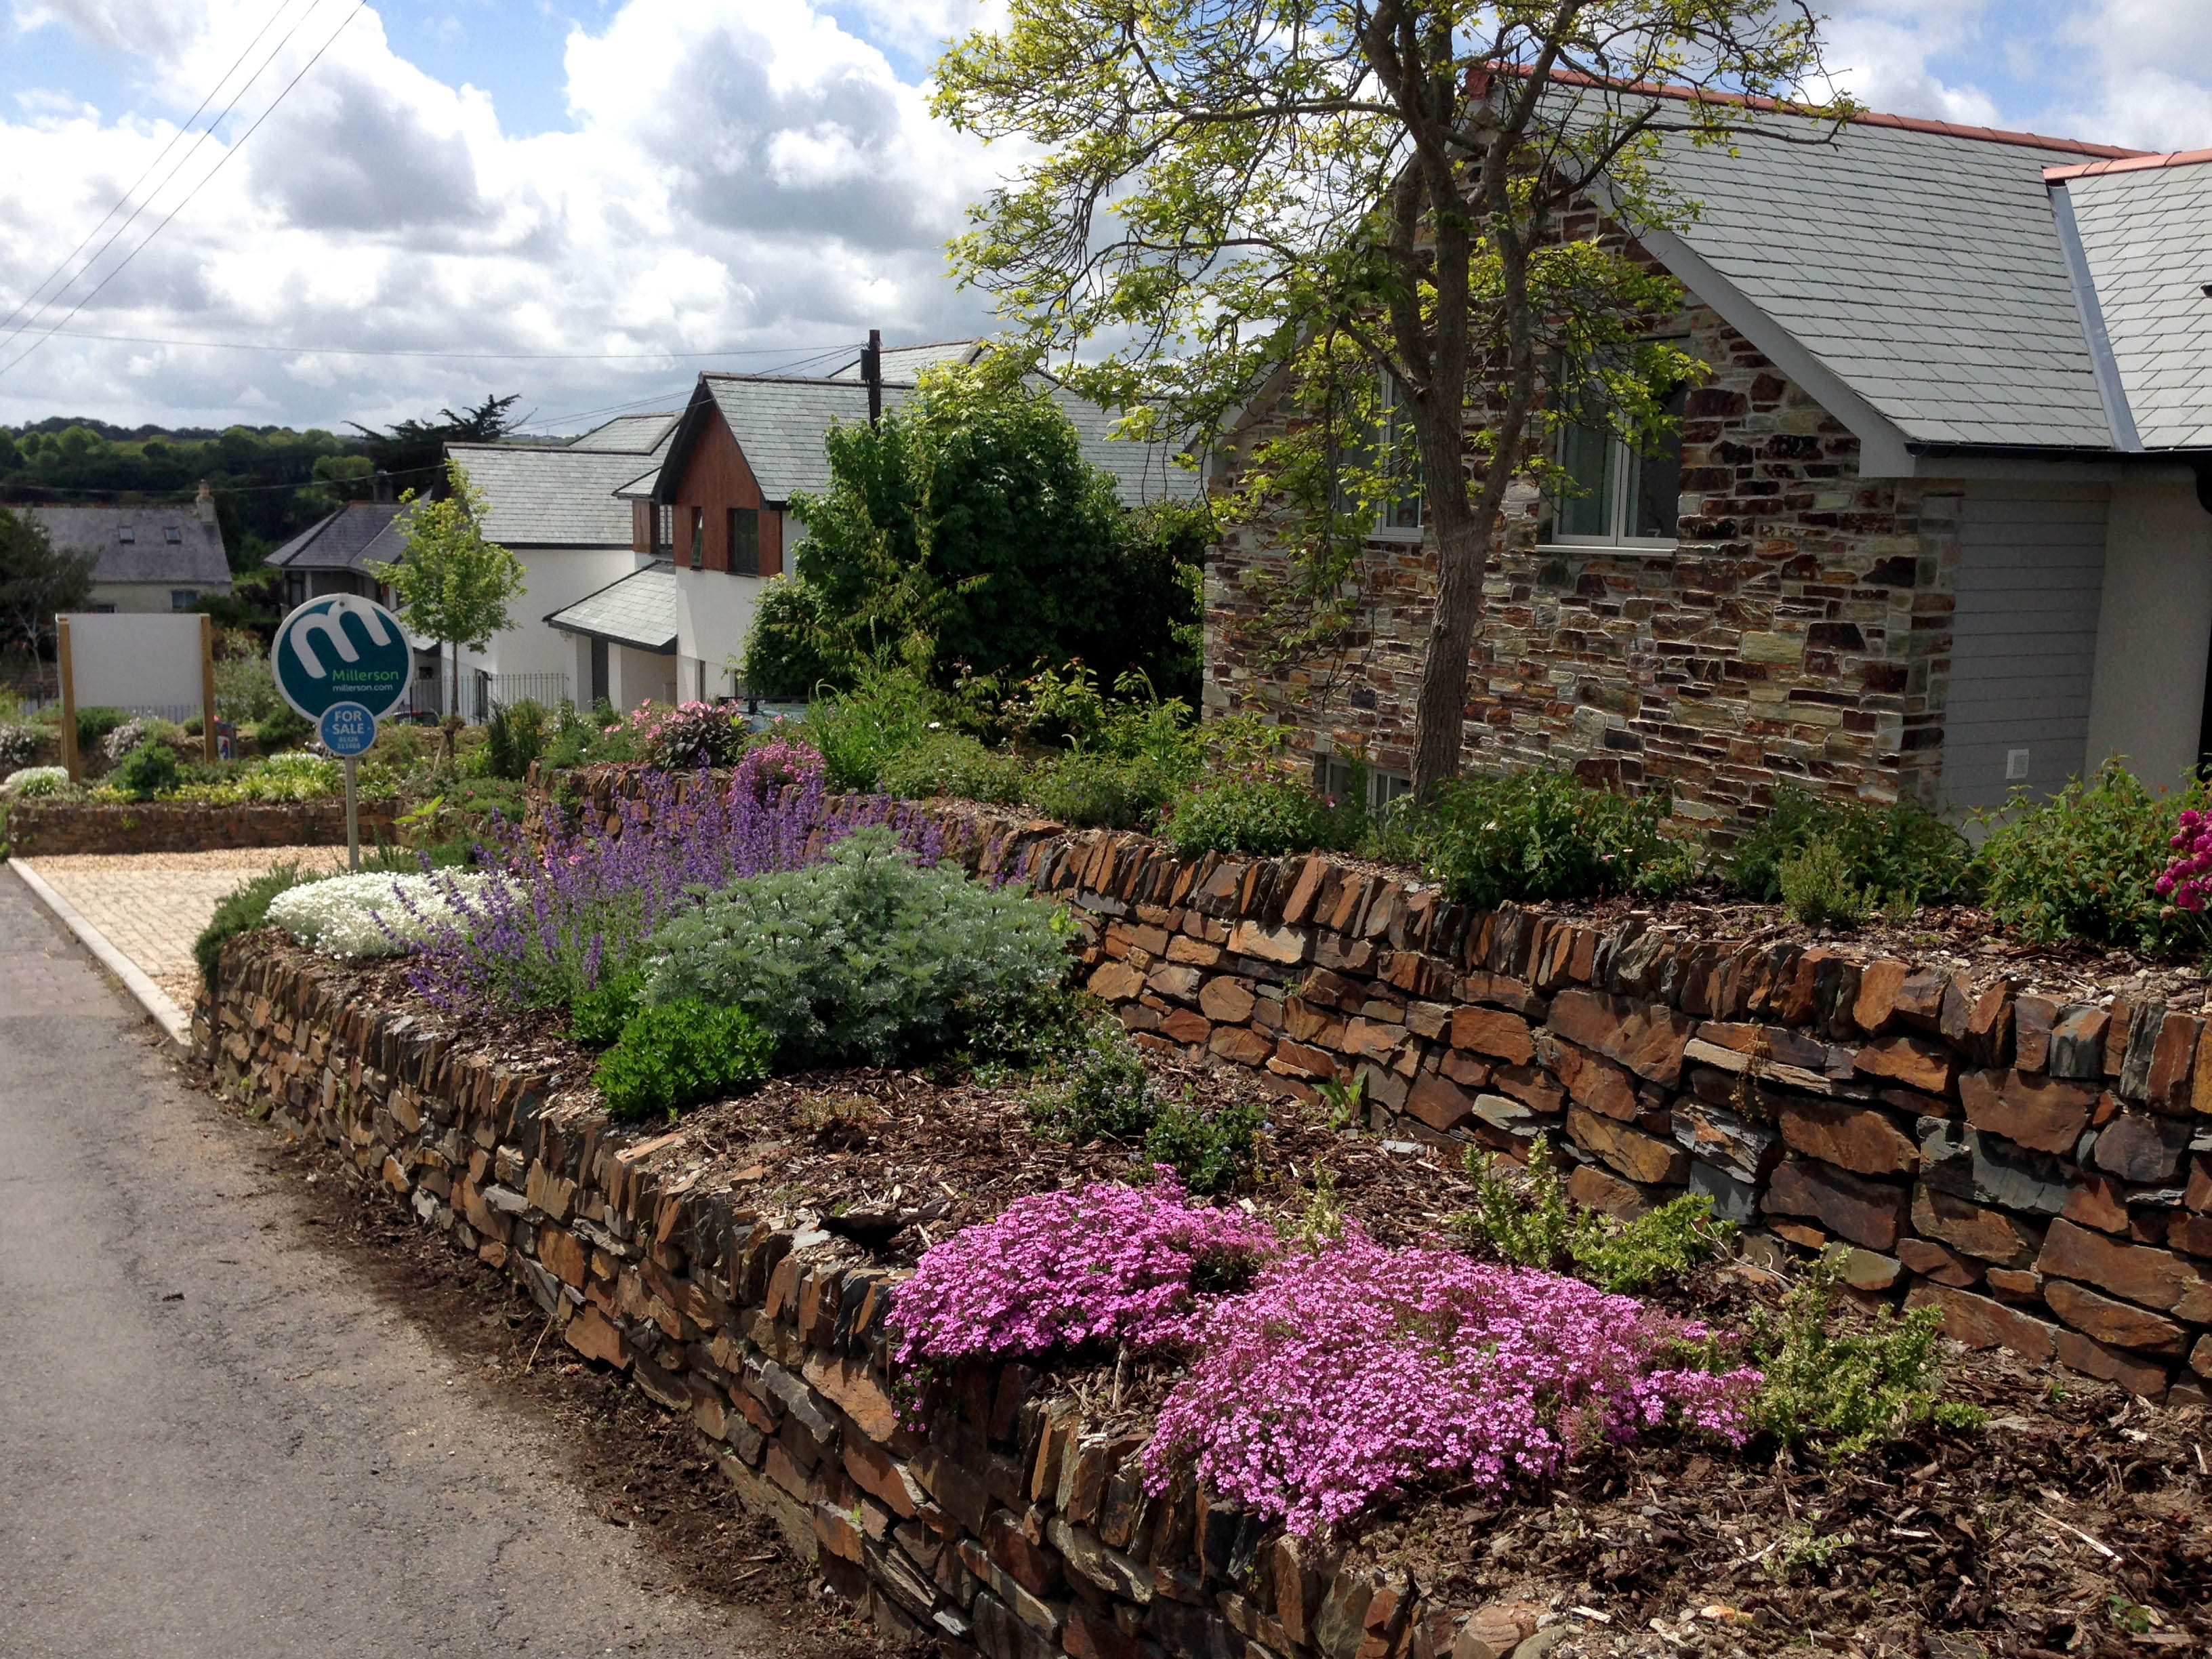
1620	497
181	598
1334	778
1402	513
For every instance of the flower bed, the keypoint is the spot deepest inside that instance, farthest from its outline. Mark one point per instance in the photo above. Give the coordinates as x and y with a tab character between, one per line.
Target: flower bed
729	1264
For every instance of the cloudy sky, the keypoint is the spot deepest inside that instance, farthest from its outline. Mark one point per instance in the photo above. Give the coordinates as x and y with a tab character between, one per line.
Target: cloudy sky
751	182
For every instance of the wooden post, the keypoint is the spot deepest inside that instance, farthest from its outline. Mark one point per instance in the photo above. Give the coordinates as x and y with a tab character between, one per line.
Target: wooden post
209	748
68	698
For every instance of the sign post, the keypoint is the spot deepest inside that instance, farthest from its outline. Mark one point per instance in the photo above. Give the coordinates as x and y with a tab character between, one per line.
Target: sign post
341	661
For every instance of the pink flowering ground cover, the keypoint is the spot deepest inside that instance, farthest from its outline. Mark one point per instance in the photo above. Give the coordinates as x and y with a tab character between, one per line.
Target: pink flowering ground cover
1343	1375
1102	1263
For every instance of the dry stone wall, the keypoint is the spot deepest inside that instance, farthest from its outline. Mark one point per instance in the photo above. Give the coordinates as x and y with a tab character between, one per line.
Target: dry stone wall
2040	1169
1008	1528
52	828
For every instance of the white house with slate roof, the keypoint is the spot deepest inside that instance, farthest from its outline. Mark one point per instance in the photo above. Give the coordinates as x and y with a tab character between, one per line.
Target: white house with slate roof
156	557
1939	521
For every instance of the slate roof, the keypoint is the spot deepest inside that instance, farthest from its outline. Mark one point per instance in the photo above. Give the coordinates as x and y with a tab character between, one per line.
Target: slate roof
780	424
551	495
907	362
639	610
630	434
1922	266
196	559
2145	231
357	534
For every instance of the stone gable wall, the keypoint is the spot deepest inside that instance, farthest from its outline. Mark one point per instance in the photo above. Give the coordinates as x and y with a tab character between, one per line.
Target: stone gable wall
52	828
2041	1169
1801	629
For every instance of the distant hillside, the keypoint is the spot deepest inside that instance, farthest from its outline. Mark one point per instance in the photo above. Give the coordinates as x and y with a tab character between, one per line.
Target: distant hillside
270	482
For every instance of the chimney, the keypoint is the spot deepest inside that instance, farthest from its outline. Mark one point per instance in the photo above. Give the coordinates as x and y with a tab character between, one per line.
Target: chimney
871	371
204	504
380	490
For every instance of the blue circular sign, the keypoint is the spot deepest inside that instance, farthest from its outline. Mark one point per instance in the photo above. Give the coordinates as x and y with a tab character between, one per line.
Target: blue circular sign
342	648
346	729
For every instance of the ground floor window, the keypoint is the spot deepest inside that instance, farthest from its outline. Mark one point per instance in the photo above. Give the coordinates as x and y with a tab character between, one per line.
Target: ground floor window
1620	496
182	599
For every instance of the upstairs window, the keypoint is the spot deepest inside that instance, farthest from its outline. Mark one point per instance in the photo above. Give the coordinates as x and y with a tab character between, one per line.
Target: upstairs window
1621	497
172	535
744	541
128	533
698	538
664	531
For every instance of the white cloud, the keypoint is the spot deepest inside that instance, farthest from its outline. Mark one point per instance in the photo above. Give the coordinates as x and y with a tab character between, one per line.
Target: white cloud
745	173
1878	53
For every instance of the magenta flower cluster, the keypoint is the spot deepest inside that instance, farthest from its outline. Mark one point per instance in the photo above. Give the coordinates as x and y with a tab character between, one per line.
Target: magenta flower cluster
579	904
2188	879
1343	1375
1101	1263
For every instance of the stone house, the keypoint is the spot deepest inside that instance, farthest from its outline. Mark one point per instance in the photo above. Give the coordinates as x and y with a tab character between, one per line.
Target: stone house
1938	522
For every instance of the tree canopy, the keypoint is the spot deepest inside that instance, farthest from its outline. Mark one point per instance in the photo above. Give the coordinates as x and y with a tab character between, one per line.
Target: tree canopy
413	451
1322	198
36	581
451	583
968	532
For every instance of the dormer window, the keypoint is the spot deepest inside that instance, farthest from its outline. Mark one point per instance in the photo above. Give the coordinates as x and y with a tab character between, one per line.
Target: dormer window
172	535
127	533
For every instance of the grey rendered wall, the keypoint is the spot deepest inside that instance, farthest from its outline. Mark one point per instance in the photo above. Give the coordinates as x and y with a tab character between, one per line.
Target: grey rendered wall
2152	630
2024	636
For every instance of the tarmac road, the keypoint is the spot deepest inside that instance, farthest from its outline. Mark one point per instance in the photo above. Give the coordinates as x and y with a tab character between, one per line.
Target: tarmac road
213	1440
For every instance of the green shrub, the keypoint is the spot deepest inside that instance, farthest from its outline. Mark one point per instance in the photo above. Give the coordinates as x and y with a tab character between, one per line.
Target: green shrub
1091	790
514	737
1849	1391
1531	1224
94	724
283	727
953	763
1208	1147
1538	836
241	910
245	688
788	653
1101	1092
597	1017
679	1054
1266	813
148	770
1896	848
2082	865
864	955
862	731
1817	887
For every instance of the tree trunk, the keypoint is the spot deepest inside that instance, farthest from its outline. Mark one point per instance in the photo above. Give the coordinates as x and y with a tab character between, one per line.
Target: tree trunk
1440	704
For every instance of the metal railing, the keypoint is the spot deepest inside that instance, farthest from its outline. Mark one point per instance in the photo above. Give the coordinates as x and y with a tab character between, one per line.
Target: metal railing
504	691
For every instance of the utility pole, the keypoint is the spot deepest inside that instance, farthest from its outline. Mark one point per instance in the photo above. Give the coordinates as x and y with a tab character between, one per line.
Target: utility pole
871	371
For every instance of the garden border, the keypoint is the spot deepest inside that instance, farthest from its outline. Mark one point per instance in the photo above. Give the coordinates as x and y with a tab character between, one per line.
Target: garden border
2039	1169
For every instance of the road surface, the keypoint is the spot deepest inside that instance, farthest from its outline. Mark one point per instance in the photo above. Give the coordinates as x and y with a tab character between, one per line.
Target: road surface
215	1440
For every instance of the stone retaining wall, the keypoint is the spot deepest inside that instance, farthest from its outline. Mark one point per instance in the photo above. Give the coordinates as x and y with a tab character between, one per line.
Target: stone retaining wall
52	828
2041	1171
1008	1528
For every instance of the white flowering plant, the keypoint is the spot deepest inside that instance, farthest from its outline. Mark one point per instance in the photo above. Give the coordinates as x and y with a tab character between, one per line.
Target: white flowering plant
33	780
375	915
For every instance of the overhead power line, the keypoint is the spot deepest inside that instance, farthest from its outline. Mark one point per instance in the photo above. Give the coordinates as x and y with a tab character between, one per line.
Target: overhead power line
447	356
124	262
45	306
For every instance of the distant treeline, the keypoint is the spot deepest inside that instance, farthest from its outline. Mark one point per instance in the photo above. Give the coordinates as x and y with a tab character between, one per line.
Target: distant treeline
270	482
